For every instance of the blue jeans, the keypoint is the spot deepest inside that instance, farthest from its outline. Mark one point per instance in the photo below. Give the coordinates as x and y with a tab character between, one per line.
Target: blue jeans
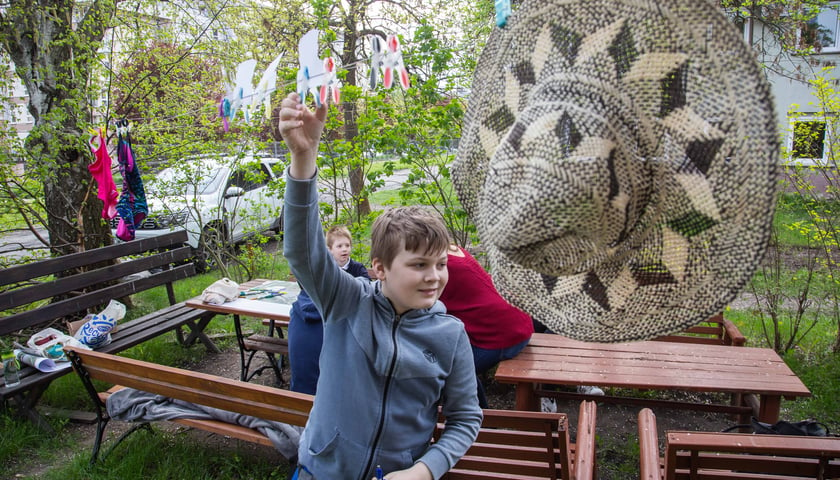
305	342
487	359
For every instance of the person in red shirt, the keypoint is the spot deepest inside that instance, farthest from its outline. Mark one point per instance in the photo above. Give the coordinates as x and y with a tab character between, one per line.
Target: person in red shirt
497	330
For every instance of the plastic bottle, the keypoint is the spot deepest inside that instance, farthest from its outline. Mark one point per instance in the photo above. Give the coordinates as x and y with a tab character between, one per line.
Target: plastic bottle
11	369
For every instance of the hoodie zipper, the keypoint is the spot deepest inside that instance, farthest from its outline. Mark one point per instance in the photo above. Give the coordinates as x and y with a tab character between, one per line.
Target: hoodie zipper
388	378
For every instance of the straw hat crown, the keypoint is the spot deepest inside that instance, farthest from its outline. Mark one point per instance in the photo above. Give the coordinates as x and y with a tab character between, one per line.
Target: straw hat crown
620	161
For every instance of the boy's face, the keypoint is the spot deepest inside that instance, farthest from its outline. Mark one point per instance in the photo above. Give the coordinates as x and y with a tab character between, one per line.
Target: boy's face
414	280
340	250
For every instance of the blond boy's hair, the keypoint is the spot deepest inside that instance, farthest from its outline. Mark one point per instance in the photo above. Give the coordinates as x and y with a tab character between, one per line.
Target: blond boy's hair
412	227
338	231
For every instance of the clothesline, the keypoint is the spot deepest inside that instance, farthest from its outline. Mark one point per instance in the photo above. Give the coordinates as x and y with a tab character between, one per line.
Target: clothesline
213	104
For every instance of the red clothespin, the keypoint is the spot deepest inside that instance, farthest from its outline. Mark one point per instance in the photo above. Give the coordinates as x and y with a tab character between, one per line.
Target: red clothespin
393	62
331	82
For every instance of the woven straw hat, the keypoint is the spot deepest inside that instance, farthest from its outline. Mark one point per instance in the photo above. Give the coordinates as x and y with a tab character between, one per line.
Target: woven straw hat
620	161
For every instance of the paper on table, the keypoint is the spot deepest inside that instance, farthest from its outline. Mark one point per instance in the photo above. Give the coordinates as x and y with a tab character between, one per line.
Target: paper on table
274	291
41	363
259	307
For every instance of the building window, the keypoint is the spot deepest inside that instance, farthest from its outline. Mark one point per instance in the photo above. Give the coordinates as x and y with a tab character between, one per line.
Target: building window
823	31
808	141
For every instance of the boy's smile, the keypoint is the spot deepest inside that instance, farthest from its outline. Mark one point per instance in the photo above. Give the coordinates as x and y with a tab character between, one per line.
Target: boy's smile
415	280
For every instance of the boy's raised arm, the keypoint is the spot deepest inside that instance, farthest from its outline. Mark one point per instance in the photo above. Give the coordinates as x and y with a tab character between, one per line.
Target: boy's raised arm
301	128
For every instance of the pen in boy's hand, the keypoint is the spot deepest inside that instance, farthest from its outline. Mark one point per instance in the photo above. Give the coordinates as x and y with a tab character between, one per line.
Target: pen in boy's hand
379	474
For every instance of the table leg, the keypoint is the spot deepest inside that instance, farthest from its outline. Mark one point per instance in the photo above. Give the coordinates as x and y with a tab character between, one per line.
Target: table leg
525	398
769	408
197	333
240	340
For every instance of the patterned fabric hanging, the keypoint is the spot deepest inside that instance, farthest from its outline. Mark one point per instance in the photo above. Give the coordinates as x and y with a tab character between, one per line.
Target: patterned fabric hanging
131	207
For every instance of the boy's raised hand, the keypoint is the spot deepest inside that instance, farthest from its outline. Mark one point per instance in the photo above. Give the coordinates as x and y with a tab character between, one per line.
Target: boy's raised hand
301	128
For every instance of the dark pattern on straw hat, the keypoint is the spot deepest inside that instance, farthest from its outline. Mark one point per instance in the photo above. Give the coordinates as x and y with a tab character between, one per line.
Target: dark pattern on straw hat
620	161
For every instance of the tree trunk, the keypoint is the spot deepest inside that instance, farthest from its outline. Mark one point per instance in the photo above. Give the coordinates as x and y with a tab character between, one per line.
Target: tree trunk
351	129
54	61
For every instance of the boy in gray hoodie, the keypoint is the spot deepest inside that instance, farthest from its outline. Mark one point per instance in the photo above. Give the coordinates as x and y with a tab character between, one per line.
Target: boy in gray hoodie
391	354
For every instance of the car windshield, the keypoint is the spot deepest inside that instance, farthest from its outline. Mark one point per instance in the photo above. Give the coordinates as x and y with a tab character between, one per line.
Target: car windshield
189	179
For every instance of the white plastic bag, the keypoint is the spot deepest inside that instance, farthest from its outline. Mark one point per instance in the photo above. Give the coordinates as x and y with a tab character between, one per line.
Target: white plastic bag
50	343
96	332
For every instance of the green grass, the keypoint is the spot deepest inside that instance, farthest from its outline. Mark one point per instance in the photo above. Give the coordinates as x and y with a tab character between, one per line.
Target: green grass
617	458
790	210
812	361
22	441
166	455
792	219
821	374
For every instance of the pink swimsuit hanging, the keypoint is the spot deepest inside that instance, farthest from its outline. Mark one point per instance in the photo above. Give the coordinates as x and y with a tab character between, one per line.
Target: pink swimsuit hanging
101	171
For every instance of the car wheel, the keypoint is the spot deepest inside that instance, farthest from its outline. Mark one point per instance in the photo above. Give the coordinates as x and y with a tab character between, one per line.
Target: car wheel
214	244
278	228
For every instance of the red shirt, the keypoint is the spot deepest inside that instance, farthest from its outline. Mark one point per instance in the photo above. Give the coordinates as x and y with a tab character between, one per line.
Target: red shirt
491	322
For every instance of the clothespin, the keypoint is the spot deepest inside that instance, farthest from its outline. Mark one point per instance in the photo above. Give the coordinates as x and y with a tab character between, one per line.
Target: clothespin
503	11
95	138
241	103
375	61
330	82
238	90
393	63
304	84
122	127
224	112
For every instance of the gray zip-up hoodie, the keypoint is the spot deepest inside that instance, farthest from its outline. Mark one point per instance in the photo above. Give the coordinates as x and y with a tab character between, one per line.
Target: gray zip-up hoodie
382	375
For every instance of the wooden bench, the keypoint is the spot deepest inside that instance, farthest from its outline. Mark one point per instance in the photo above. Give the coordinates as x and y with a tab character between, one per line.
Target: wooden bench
52	291
276	349
517	445
259	401
716	456
714	331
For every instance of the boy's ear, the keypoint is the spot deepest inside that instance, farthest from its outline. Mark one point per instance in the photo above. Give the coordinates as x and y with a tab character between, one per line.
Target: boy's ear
378	269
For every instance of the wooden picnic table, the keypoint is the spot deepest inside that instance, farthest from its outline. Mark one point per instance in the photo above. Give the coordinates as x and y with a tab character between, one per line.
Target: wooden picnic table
756	378
276	309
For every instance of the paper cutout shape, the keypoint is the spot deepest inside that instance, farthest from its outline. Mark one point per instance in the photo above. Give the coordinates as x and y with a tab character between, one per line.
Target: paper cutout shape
311	74
267	85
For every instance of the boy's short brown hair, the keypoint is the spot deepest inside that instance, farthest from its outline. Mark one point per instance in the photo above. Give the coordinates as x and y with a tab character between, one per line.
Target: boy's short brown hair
413	227
338	231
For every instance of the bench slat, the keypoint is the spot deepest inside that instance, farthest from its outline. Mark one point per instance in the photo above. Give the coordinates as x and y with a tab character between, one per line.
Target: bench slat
719	456
196	387
757	463
213	426
50	266
264	343
527	445
79	281
152	325
14	323
751	443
